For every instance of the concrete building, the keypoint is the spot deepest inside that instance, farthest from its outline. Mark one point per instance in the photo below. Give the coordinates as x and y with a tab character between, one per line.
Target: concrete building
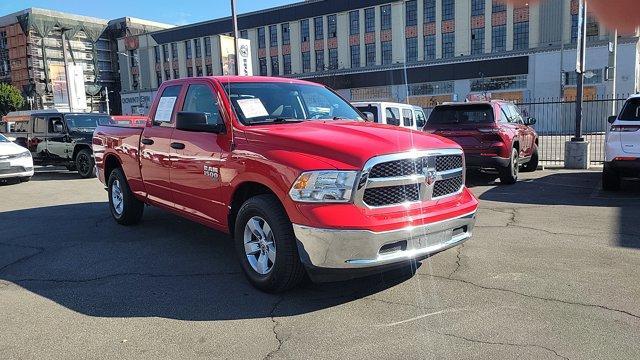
31	55
423	51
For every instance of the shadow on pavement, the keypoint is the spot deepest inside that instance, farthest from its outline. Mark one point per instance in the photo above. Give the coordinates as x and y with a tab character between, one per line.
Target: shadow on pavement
579	188
77	256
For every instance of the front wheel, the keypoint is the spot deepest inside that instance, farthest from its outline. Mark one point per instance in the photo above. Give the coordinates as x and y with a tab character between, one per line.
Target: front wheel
532	165
509	174
25	179
125	208
85	164
266	245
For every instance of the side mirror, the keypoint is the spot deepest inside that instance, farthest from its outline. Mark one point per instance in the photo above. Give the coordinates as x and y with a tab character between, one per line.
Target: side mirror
530	121
197	121
369	116
612	119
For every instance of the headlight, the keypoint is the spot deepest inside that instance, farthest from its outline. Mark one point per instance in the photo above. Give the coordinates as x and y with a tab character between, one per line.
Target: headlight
324	186
25	154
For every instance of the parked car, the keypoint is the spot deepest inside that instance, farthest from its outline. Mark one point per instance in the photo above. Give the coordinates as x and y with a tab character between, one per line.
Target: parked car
493	135
15	161
293	172
622	148
57	138
403	115
130	120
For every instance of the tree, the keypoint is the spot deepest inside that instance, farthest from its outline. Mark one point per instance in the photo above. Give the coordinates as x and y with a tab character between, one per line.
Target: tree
10	99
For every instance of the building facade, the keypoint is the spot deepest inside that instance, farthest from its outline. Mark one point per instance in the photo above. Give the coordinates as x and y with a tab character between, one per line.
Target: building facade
31	55
420	51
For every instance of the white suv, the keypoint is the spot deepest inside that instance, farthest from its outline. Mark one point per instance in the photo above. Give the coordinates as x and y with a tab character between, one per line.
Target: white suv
622	150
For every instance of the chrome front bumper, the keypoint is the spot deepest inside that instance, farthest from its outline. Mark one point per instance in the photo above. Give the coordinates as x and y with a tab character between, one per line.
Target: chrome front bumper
355	249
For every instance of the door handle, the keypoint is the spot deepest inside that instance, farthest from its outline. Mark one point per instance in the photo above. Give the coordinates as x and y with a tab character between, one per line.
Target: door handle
146	141
177	146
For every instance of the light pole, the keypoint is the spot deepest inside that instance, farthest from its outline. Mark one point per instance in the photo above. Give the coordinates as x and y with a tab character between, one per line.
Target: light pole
234	19
581	50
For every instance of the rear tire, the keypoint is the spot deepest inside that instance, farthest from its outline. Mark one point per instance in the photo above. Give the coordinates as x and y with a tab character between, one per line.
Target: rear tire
532	165
85	164
509	174
125	208
25	179
266	245
611	180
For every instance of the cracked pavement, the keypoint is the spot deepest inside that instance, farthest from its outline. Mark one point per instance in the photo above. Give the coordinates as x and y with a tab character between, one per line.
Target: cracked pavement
551	273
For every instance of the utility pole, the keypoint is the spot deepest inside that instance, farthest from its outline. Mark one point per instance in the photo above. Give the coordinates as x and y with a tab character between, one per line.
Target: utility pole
581	52
612	69
106	96
234	19
66	67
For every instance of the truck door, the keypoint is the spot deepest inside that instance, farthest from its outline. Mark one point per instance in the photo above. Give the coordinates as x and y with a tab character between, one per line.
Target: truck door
58	143
155	152
197	157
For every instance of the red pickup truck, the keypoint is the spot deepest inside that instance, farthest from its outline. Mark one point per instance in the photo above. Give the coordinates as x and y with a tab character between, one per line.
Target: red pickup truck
292	171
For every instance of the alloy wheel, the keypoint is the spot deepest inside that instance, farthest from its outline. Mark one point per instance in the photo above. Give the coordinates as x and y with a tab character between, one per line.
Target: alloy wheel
259	245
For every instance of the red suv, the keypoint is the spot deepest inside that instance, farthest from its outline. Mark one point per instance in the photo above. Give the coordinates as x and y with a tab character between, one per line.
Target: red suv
493	135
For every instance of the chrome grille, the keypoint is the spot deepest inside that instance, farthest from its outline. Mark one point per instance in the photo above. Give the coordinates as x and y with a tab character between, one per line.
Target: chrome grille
392	195
410	177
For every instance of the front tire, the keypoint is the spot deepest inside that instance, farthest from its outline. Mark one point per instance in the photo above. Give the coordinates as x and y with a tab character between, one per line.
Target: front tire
266	245
85	164
611	180
509	174
532	165
125	208
25	179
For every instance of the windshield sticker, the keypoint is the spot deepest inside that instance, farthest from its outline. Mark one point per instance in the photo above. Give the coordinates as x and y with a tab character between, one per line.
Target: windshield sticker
252	108
165	109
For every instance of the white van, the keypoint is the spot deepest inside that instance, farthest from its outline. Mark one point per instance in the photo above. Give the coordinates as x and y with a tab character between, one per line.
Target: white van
403	115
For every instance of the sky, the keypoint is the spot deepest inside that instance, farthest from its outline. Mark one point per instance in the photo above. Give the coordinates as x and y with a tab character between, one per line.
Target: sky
165	11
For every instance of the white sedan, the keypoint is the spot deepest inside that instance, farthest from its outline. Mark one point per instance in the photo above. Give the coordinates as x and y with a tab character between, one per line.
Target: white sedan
15	161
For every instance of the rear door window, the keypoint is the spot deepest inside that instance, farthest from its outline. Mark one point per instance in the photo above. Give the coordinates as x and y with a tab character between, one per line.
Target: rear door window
370	109
39	125
407	117
421	119
393	116
631	110
166	105
462	114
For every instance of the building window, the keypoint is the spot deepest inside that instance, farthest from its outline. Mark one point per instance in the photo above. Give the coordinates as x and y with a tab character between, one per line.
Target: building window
355	56
477	7
306	62
263	66
412	49
273	36
499	38
176	74
304	30
448	10
207	46
521	36
319	60
209	69
244	34
369	20
187	49
165	52
156	54
429	47
318	26
499	83
385	17
593	29
574	28
286	35
174	51
333	59
448	45
429	11
261	39
198	48
571	77
411	8
370	53
354	22
286	64
189	71
159	77
167	74
432	88
199	70
332	26
387	52
498	6
275	66
477	41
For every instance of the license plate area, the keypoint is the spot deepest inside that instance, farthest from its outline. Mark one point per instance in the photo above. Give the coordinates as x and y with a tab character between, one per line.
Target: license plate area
433	239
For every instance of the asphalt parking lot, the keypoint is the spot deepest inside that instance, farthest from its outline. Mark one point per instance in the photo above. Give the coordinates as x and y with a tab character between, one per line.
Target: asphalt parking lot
552	272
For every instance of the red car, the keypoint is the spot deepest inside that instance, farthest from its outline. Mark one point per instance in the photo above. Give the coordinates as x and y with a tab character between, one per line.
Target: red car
493	135
294	173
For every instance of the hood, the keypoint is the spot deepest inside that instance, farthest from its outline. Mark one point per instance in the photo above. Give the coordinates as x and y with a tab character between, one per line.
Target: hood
9	148
344	143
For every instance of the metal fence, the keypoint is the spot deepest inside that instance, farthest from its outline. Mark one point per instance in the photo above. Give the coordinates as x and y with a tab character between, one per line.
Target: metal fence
556	124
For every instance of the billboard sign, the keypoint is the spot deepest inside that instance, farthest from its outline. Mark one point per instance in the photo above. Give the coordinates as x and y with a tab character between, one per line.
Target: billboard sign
244	57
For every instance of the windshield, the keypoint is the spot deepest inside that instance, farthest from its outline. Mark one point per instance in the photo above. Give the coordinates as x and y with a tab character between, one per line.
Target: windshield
3	139
265	102
86	123
462	114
